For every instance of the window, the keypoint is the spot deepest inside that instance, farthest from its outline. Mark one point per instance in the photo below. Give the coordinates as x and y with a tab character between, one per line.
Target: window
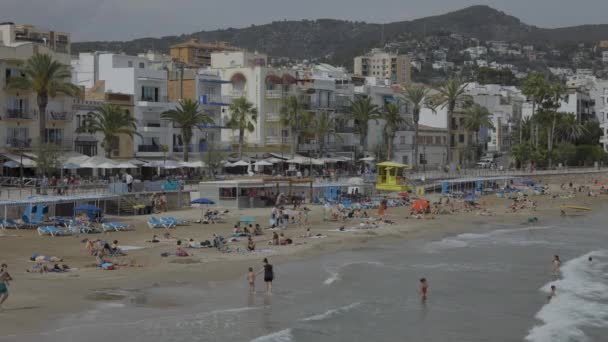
429	140
149	94
54	135
17	136
461	138
437	140
452	140
454	126
402	140
405	159
130	64
142	65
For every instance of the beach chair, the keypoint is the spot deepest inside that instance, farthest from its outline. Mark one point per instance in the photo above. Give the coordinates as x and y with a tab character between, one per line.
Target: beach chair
10	223
52	231
115	226
175	221
153	223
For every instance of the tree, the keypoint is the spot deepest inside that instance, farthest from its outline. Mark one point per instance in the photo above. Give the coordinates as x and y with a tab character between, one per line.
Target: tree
48	157
547	115
213	158
568	128
394	120
521	153
476	117
362	111
419	97
451	93
292	116
111	121
47	78
187	117
535	87
321	126
243	117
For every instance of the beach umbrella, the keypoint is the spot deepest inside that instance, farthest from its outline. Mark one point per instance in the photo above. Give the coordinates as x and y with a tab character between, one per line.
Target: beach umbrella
70	166
240	163
247	219
420	206
368	159
11	164
202	201
262	163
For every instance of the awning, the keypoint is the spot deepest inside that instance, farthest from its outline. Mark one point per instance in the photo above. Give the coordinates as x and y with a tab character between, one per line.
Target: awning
27	162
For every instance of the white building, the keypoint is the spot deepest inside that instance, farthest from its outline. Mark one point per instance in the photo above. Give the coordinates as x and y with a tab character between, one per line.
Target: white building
605	57
475	52
132	75
265	87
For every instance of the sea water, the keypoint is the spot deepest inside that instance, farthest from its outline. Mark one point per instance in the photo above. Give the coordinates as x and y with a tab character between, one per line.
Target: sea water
488	285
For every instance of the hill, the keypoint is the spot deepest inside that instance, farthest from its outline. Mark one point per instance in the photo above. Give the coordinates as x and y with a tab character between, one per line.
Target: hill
338	40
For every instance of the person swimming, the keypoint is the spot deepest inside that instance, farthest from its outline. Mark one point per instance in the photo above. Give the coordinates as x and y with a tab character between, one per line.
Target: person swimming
424	288
552	294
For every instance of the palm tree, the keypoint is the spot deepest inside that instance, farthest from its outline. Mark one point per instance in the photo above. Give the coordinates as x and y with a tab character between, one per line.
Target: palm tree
535	87
111	121
292	116
475	117
187	117
47	78
568	128
322	125
243	117
418	96
394	120
362	110
451	93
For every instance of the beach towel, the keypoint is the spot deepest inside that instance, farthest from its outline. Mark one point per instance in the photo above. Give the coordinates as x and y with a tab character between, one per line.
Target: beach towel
107	266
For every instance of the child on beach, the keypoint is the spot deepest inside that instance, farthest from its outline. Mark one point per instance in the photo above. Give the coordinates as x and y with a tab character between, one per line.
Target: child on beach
251	280
556	264
4	281
552	294
424	287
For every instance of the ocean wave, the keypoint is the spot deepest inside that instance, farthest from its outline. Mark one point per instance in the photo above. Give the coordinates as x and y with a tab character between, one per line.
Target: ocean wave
580	302
279	336
332	312
334	272
495	236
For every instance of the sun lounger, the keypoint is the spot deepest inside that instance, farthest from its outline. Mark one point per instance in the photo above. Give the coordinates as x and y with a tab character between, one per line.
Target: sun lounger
175	221
153	222
8	225
115	226
52	231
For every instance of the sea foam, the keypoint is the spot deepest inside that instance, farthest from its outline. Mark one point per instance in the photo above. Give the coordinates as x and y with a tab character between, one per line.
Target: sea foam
332	312
580	301
279	336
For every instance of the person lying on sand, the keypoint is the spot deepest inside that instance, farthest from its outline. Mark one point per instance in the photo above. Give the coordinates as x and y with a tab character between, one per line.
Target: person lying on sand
284	241
180	252
42	258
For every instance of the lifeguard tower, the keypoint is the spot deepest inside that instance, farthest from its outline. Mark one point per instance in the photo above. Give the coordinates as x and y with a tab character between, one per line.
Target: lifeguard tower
389	176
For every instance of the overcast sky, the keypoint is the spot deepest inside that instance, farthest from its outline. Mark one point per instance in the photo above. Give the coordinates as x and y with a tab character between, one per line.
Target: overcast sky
128	19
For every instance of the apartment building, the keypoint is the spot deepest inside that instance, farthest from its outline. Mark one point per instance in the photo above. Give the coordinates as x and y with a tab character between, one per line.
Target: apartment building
432	147
392	67
18	109
247	75
132	75
88	143
194	53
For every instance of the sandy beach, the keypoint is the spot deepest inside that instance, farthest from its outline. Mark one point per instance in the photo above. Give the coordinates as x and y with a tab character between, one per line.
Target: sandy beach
36	299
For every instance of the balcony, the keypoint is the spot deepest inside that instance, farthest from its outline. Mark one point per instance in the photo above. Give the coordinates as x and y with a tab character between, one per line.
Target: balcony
207	100
148	148
276	140
235	94
159	101
273	117
64	144
274	94
20	114
12	142
59	116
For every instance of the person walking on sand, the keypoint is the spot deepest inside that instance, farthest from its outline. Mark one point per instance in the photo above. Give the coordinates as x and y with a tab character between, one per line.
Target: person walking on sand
424	288
268	275
4	281
556	264
251	280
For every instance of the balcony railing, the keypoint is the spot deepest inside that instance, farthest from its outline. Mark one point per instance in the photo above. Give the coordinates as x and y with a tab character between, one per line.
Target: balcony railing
274	94
18	142
273	117
20	114
153	99
148	148
59	116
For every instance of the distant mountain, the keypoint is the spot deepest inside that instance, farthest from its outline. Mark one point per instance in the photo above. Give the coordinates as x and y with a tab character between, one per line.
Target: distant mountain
338	40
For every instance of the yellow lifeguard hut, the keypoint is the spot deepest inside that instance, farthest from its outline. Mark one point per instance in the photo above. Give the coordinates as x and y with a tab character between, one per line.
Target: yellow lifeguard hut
389	176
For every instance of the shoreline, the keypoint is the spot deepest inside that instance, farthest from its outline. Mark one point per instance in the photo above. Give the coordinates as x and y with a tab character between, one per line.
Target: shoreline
38	298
